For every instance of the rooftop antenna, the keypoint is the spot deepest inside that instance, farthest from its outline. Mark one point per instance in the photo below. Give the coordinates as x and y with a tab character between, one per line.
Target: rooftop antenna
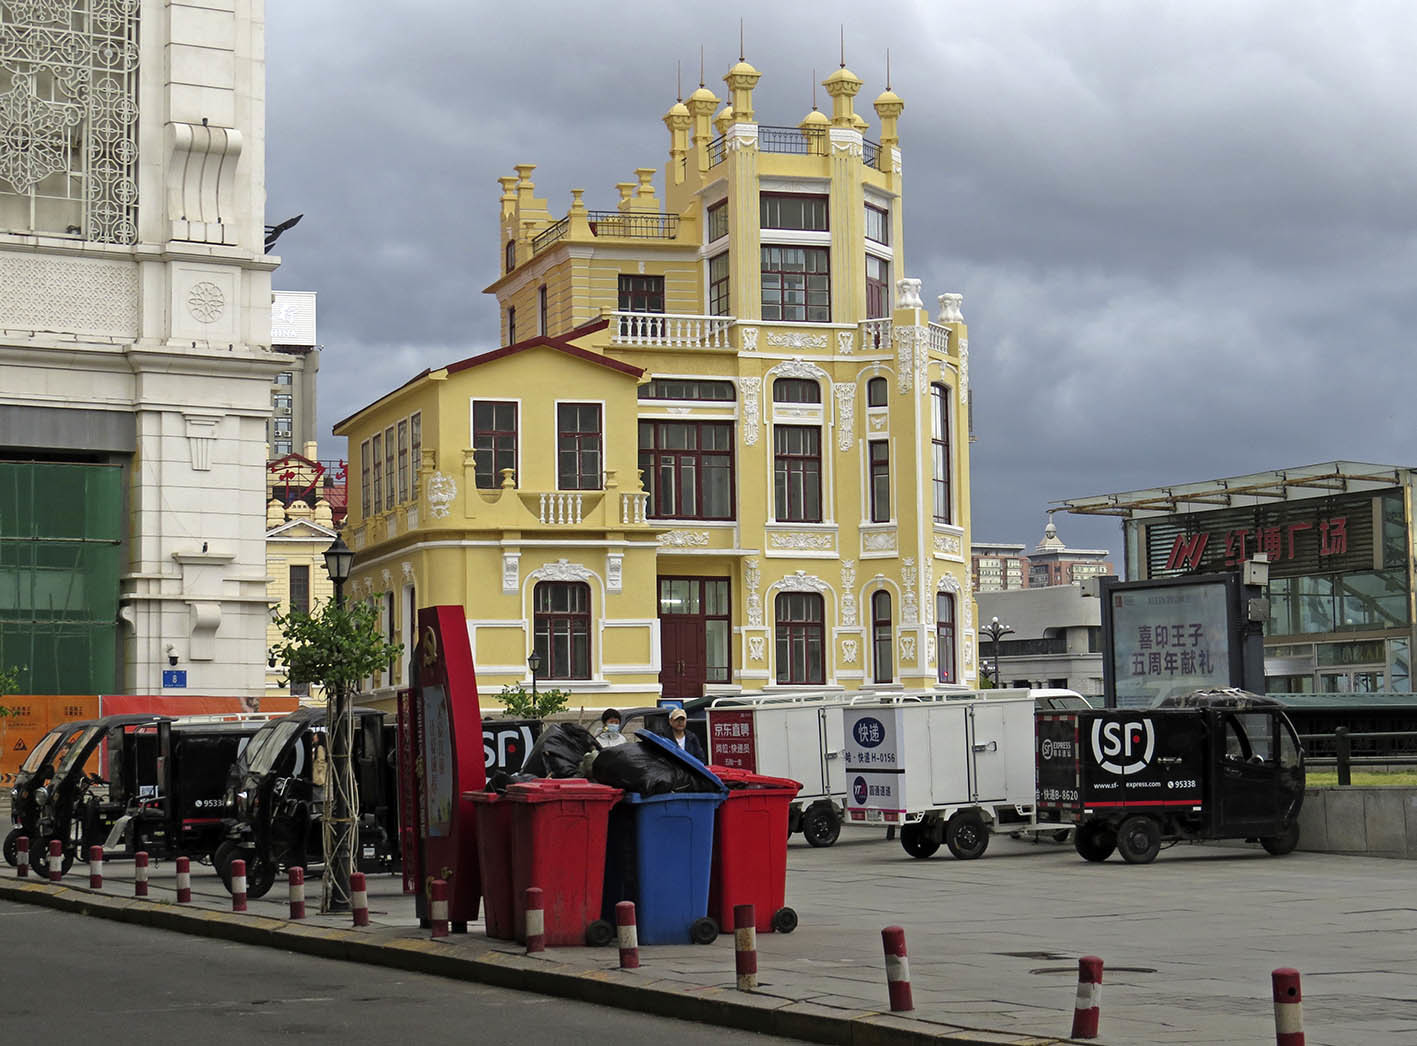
740	39
678	80
814	90
843	45
888	68
701	65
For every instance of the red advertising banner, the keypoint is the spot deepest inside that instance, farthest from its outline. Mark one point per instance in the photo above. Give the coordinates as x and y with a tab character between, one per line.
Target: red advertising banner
409	800
731	739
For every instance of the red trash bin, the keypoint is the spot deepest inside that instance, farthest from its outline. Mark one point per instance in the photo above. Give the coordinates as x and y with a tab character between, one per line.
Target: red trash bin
494	861
559	829
750	849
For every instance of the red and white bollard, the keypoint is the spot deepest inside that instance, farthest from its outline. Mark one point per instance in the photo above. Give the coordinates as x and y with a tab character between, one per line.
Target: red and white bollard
184	878
629	935
238	885
359	898
95	868
438	907
297	893
140	876
535	921
745	946
22	857
897	968
56	860
1088	1008
1288	1008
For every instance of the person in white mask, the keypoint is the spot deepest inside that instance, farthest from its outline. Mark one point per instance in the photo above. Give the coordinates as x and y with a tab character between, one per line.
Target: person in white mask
609	735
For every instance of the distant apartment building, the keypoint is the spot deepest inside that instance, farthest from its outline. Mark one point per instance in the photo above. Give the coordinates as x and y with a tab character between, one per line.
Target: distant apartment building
292	423
998	567
1001	567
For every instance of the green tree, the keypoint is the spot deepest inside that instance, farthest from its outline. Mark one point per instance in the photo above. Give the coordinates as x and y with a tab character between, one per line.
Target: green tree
9	682
520	703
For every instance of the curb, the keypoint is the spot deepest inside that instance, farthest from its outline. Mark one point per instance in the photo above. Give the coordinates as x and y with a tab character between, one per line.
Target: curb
724	1007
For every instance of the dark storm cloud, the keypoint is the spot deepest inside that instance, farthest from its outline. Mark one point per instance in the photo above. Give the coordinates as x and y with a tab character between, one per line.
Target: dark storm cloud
1184	231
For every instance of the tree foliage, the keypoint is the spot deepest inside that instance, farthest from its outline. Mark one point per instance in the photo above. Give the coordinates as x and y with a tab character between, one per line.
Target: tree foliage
334	647
519	703
9	682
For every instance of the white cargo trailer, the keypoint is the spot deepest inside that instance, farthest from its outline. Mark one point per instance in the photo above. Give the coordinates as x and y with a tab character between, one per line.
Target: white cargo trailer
944	768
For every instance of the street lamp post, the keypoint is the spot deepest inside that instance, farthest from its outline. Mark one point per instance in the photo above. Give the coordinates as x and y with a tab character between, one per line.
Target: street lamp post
996	631
339	816
533	662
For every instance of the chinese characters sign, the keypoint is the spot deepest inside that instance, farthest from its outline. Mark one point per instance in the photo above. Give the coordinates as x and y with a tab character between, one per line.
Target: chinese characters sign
1169	640
731	740
874	768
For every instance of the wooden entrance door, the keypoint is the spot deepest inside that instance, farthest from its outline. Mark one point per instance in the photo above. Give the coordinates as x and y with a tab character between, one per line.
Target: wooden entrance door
694	631
683	668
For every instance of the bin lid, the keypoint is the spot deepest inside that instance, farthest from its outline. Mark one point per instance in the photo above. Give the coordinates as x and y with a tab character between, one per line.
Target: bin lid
737	779
483	797
711	781
552	789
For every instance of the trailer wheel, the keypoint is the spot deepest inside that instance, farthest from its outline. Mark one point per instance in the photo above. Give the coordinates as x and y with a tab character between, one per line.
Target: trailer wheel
820	825
600	933
12	847
916	841
967	835
1284	842
784	920
221	861
1094	841
1139	839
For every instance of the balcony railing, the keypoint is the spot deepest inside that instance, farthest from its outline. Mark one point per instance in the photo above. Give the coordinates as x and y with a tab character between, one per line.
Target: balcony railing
632	508
545	239
792	140
635	225
716	151
876	335
870	153
669	330
939	339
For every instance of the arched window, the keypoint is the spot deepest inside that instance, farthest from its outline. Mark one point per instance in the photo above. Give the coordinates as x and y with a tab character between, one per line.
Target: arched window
801	638
561	629
796	390
945	637
882	648
940	452
876	392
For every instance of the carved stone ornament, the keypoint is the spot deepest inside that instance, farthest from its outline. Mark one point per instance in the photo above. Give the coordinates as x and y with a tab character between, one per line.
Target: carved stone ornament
908	580
614	571
750	339
750	387
796	340
85	296
968	639
877	422
951	309
562	570
879	541
441	492
845	415
848	596
848	651
907	293
685	538
797	367
206	302
801	581
907	648
964	370
948	545
846	342
756	647
929	648
802	540
511	570
928	569
905	356
407	570
752	579
388	578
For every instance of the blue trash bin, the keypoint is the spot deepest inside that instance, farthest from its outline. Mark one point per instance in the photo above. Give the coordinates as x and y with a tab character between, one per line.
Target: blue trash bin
659	854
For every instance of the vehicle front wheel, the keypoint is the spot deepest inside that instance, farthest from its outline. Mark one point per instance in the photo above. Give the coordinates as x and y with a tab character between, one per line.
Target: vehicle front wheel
12	847
1284	842
916	841
39	861
1094	841
820	826
1139	839
260	877
967	835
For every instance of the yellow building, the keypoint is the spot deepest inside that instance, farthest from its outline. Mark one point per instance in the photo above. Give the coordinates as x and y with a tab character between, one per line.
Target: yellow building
724	447
296	539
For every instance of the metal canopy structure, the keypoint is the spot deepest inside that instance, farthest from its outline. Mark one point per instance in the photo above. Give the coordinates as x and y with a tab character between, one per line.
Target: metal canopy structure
1307	481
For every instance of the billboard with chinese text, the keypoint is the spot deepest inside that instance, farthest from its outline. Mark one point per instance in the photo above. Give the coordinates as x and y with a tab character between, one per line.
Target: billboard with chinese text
1169	638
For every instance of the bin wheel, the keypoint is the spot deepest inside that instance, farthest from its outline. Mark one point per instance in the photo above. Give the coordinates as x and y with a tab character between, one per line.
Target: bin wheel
820	826
1094	841
12	847
1139	839
703	931
784	920
916	841
1283	843
599	933
967	835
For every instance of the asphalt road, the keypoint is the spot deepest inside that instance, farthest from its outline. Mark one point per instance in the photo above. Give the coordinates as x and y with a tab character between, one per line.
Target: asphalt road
90	980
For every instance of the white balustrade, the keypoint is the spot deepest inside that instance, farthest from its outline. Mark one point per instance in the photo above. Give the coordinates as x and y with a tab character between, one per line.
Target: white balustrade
632	508
561	509
670	330
939	339
876	335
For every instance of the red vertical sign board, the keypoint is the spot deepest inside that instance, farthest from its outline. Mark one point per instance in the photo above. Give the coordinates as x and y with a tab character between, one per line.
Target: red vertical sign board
448	761
410	802
731	740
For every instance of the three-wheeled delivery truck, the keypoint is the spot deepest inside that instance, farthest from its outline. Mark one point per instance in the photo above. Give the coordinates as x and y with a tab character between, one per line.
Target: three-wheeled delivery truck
1131	779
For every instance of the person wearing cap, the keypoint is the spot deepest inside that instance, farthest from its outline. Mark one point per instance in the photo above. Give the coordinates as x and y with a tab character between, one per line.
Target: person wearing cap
679	734
609	735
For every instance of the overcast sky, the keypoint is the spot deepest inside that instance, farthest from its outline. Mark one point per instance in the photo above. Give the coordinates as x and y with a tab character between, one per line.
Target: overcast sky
1185	231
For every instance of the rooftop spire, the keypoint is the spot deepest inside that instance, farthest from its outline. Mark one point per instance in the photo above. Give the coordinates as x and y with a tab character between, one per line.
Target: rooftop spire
843	45
741	56
888	68
701	65
678	80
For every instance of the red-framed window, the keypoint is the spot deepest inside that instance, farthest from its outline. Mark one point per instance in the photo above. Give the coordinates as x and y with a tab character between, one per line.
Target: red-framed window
877	392
578	446
878	225
688	468
561	629
641	293
796	284
797	473
882	644
494	441
878	288
945	637
940	453
880	466
801	637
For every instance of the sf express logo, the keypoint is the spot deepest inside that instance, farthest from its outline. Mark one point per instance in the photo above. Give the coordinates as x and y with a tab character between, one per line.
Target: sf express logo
1123	748
1052	749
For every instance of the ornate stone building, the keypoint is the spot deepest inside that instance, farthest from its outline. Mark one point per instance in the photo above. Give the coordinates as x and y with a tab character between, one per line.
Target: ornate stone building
135	329
724	447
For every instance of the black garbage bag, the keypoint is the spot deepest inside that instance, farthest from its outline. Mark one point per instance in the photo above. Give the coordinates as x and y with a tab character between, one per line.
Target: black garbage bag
647	770
501	781
558	751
